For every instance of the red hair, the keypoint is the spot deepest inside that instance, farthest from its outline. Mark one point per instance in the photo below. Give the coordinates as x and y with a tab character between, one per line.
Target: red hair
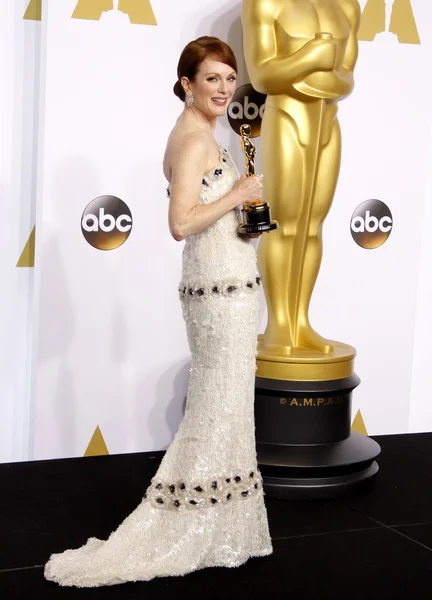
195	53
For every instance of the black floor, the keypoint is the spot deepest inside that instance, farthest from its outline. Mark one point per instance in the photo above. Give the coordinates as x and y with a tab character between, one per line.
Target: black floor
377	545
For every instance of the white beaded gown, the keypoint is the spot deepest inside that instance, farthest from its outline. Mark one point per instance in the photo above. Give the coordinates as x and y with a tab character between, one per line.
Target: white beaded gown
205	505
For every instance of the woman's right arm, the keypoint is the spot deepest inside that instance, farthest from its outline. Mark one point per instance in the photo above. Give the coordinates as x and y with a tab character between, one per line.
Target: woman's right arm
186	216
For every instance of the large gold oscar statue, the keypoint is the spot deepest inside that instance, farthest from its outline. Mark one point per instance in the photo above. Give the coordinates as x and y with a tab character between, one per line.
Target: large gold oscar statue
301	53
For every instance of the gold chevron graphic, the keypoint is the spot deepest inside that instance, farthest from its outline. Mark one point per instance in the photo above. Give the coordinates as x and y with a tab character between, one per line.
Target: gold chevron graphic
97	446
358	424
91	9
402	21
34	11
27	258
140	12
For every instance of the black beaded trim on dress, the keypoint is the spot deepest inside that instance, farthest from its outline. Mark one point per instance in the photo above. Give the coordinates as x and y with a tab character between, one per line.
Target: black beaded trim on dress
197	290
199	494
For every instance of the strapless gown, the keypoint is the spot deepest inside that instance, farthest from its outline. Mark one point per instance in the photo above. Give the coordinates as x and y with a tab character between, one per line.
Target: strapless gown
205	505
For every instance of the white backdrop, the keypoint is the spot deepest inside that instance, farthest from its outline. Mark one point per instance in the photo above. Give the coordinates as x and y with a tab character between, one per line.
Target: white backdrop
111	347
20	79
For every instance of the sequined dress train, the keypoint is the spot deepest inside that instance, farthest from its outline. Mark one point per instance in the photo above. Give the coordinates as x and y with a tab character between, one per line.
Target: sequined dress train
205	505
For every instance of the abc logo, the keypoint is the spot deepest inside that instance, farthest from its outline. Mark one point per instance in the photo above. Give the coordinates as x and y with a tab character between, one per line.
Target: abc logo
106	222
371	224
247	106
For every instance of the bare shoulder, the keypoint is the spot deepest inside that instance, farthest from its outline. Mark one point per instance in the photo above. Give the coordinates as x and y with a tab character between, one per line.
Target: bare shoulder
352	10
193	142
186	146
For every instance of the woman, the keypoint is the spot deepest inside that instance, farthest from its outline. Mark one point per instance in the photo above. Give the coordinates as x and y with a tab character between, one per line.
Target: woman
205	505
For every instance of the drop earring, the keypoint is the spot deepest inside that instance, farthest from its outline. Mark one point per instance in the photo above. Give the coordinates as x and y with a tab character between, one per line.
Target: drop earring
189	99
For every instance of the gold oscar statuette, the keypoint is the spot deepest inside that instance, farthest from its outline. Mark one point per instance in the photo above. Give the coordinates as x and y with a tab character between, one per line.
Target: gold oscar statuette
302	55
305	73
256	215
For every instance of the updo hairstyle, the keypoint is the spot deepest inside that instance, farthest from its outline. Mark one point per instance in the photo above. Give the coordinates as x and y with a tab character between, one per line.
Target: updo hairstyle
195	53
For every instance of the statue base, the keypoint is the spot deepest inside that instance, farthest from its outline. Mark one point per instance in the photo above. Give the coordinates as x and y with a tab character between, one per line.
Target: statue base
256	219
296	364
319	473
245	228
305	446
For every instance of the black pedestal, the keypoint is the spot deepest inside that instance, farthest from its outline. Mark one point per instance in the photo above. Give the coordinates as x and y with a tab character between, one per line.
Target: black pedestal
305	445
